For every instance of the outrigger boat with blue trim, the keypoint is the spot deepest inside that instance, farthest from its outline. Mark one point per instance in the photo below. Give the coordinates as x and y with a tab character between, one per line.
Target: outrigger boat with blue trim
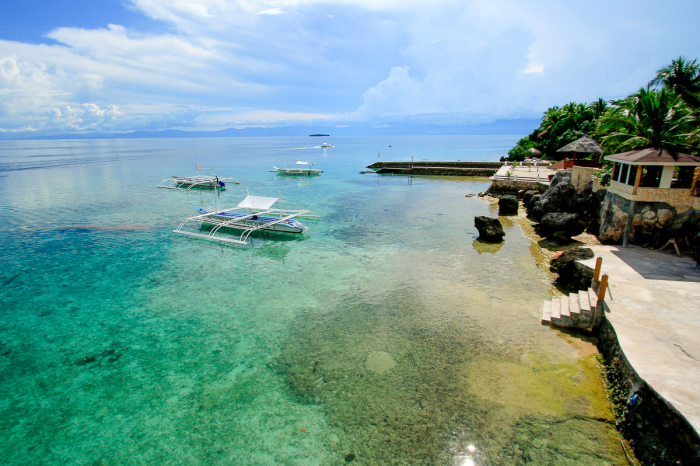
198	181
254	213
307	169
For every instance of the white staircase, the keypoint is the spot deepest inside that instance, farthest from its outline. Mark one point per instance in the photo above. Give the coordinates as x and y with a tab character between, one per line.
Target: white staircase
577	310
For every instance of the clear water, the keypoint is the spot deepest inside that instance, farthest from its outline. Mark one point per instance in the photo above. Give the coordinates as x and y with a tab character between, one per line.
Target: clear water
388	335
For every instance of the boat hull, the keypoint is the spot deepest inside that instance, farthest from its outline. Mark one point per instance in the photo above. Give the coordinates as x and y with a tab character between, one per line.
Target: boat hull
286	226
312	172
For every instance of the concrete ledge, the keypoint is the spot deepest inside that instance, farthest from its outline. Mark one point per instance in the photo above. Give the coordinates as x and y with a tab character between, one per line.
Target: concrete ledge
439	164
657	431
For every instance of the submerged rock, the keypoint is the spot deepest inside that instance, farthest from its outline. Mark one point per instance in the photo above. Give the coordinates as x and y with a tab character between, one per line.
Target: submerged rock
379	362
490	229
350	457
508	205
86	360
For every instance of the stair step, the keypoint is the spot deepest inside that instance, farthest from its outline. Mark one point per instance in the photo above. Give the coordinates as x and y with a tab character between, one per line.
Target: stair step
556	308
546	312
584	302
565	306
574	308
593	298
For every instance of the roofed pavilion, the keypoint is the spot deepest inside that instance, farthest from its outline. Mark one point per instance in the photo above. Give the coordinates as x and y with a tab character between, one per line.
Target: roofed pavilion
655	175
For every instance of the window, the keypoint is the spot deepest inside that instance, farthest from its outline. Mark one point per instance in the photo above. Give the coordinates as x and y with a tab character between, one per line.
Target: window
651	177
683	177
624	168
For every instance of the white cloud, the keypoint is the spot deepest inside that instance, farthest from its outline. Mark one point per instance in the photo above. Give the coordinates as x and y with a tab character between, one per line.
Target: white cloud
281	61
271	11
533	68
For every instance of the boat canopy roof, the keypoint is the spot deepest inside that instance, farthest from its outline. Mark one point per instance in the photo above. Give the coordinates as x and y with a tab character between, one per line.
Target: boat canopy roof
257	202
300	162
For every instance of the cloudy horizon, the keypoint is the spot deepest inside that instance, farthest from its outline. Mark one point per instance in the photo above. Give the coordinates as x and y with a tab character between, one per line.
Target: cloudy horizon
73	67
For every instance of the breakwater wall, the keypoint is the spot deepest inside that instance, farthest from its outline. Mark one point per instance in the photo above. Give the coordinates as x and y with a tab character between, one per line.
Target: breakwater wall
442	168
657	432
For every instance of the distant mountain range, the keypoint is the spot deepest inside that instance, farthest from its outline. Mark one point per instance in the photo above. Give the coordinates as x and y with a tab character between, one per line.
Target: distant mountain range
498	127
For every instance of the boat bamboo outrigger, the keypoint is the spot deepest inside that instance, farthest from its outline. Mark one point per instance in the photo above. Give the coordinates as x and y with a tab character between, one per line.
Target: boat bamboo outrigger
197	181
253	214
303	168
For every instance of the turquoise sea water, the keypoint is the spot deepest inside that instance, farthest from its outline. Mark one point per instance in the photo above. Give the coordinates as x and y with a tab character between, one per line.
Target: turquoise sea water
387	335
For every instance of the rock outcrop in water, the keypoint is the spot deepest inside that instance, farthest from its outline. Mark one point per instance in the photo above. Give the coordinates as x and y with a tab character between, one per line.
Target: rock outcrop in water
490	229
508	205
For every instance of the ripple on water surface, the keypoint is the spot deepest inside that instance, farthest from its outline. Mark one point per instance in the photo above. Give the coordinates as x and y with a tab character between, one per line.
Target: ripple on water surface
388	336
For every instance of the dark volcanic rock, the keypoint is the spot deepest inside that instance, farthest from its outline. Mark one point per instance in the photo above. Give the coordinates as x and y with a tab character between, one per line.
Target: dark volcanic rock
560	198
560	177
571	255
532	202
490	229
508	205
528	195
560	226
575	276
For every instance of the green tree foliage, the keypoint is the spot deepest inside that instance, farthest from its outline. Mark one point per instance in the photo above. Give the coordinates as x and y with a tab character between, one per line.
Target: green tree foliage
649	118
559	127
666	114
682	77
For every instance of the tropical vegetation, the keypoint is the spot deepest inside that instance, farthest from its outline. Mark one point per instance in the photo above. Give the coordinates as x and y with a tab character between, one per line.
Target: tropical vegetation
665	114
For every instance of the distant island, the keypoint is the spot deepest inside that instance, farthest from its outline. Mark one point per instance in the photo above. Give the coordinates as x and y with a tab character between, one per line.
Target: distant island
314	135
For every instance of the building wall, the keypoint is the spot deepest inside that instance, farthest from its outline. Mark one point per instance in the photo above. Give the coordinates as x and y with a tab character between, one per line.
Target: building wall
678	198
581	177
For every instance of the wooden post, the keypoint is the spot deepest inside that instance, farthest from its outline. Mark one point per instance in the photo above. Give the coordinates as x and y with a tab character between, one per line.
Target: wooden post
603	286
638	179
629	225
598	265
696	173
612	173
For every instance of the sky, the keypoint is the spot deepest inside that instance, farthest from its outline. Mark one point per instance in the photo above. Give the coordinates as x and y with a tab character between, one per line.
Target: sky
80	66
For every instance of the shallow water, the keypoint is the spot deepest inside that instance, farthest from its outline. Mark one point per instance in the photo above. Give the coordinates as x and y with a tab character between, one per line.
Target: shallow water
387	335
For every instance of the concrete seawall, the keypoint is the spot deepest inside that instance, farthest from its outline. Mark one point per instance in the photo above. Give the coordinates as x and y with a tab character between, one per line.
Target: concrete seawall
658	433
440	168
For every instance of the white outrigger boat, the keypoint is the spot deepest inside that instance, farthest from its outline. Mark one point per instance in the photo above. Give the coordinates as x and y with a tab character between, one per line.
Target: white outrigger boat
253	214
326	145
305	168
197	181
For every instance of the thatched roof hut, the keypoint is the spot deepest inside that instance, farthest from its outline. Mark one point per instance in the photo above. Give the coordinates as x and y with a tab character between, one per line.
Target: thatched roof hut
584	145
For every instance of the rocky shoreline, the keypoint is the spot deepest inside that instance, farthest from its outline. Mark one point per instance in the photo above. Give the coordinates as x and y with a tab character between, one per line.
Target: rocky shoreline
656	431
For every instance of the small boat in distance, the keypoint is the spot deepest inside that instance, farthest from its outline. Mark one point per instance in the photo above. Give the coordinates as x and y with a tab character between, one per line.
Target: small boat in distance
302	168
186	183
326	145
254	213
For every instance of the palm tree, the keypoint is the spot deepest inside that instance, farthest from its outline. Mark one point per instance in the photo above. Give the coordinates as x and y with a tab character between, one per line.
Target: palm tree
649	118
683	78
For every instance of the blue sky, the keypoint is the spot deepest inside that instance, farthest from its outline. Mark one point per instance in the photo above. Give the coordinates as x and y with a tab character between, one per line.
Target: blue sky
80	66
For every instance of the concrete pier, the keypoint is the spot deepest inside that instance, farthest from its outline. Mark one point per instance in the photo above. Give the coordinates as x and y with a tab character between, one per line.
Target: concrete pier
653	303
441	168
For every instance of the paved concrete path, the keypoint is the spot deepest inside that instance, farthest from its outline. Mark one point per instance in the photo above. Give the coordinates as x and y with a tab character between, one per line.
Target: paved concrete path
654	303
524	173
